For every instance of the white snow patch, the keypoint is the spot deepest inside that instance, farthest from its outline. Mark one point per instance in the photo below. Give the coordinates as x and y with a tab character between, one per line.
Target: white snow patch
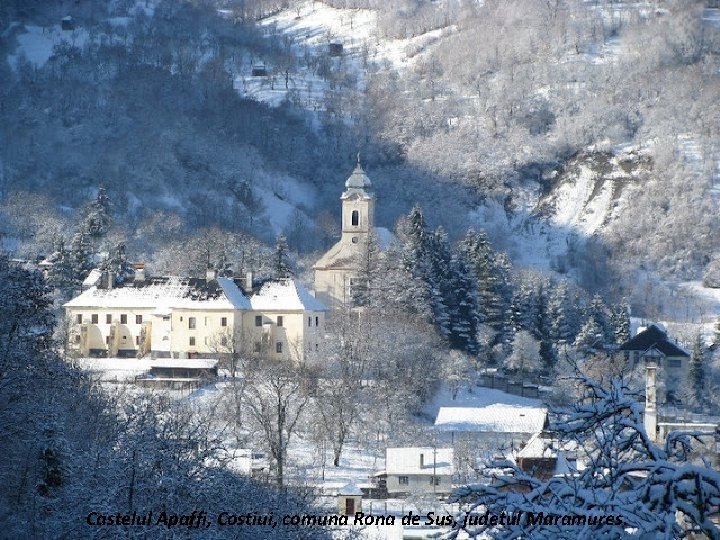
37	43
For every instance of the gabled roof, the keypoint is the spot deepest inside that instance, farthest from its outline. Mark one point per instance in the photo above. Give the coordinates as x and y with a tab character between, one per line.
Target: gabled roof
654	337
165	293
407	461
342	256
495	418
285	295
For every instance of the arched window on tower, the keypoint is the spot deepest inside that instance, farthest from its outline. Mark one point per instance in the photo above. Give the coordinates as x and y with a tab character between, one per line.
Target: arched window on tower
355	218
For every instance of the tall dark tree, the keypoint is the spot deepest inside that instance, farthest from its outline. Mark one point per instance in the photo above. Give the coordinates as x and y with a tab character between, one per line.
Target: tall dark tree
281	259
98	218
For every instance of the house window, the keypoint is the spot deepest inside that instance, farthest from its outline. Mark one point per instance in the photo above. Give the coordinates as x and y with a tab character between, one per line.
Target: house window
138	319
280	320
108	318
258	320
123	318
278	347
124	338
137	340
309	321
403	480
256	347
192	341
674	363
223	321
166	317
107	340
94	318
355	218
77	338
78	318
434	481
317	321
191	323
317	347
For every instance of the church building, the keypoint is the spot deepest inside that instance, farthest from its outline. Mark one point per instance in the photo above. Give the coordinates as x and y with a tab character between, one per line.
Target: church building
337	271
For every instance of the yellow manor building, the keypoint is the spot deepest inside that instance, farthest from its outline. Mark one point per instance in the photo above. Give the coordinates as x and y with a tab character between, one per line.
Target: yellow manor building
173	317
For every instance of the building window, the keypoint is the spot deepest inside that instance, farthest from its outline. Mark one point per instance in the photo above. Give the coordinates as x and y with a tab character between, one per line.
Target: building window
309	321
223	341
403	480
674	363
137	340
258	320
78	318
124	338
317	321
355	218
280	320
138	319
166	317
223	321
434	481
107	340
123	318
355	239
94	318
77	338
191	323
257	347
317	347
278	347
108	319
206	320
192	341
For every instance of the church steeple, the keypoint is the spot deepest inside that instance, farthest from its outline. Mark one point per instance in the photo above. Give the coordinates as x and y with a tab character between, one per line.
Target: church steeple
358	182
358	205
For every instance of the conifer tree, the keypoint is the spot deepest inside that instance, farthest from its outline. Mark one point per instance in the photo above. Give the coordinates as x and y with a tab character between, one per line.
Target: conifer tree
97	221
697	371
620	319
280	260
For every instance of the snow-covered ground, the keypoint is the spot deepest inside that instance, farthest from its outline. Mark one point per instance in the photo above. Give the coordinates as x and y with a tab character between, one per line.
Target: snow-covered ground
313	27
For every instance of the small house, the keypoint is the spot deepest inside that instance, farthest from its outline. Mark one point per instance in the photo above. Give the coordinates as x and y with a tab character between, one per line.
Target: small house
652	345
259	70
419	470
349	500
67	23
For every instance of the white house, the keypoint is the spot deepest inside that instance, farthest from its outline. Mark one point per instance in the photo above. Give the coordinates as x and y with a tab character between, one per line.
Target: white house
419	470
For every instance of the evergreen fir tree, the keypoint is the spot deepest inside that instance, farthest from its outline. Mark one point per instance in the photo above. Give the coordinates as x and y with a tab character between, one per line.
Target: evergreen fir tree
463	307
697	371
80	258
97	220
281	262
620	319
60	274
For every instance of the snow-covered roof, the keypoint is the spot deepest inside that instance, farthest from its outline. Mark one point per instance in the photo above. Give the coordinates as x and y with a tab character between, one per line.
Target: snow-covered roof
184	363
92	279
163	294
350	489
419	460
285	295
498	418
537	447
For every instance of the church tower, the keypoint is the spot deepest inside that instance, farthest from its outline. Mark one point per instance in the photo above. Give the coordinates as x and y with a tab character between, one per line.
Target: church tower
336	269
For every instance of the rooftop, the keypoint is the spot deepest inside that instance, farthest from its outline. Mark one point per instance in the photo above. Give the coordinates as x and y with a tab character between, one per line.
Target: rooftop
497	418
419	460
654	337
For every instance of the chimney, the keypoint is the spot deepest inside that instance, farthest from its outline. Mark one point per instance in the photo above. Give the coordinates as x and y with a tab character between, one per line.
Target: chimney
211	273
651	401
110	279
248	281
139	272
